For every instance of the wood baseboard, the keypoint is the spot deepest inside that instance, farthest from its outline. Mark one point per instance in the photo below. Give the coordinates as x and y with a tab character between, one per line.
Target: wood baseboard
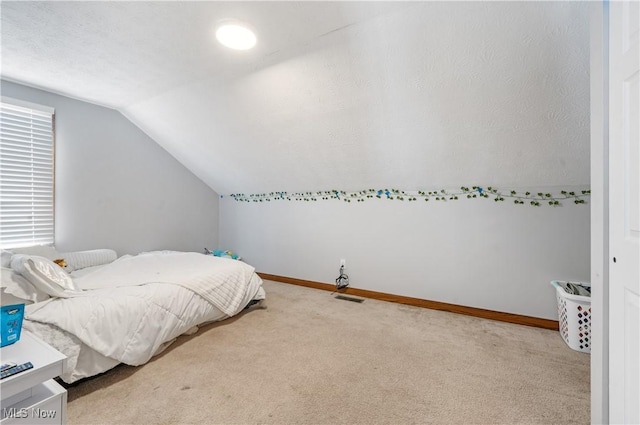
418	302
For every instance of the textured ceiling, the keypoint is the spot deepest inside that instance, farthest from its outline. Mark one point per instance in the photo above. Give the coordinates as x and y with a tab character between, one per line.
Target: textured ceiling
345	95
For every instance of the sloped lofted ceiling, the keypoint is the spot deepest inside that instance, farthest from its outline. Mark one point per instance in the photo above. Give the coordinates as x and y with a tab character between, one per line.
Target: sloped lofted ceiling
345	95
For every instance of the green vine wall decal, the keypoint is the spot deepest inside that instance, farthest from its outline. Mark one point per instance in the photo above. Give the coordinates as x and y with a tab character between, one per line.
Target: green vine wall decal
535	199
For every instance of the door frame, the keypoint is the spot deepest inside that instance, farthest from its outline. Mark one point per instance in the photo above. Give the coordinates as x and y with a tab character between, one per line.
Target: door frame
599	105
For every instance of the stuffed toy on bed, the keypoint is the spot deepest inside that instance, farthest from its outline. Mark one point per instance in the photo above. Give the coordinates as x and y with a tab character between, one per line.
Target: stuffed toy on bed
223	254
63	264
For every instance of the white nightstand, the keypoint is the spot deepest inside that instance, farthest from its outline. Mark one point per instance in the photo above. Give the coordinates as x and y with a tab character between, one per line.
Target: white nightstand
32	396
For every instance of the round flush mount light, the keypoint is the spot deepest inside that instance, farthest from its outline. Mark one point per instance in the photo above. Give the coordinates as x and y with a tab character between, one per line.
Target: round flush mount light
236	35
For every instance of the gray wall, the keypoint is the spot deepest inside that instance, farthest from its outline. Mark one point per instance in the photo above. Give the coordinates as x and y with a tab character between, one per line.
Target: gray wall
479	253
116	188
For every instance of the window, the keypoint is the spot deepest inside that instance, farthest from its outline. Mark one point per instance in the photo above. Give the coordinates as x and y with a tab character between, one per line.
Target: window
26	174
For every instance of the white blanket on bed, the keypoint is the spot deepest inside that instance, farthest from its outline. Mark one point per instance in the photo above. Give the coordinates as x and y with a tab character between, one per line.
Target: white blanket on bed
132	306
221	281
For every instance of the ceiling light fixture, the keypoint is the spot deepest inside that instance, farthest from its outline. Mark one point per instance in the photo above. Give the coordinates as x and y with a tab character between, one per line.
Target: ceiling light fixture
236	35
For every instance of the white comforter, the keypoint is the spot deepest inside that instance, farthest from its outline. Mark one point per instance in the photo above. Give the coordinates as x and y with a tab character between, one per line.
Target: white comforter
129	308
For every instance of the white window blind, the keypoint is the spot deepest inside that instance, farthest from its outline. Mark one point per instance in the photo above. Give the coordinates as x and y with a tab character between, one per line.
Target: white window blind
26	175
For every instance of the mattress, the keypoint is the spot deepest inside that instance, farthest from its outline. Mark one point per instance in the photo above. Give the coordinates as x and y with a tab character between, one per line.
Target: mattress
84	361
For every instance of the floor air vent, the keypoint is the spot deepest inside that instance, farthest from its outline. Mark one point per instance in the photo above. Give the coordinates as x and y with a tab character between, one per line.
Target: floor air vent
346	298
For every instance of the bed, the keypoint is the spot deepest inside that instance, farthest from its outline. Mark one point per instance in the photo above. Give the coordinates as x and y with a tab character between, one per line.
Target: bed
129	309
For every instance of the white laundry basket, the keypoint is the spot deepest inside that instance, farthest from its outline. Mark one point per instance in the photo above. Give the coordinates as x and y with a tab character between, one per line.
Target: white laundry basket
574	315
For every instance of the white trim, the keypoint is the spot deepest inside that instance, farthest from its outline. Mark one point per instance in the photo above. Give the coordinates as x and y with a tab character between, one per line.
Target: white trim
599	213
28	105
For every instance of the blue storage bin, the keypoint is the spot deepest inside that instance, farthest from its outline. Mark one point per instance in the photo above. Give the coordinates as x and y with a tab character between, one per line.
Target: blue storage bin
11	323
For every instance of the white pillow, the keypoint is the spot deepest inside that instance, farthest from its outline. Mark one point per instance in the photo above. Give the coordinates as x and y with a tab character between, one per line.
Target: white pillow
77	260
5	256
20	287
44	274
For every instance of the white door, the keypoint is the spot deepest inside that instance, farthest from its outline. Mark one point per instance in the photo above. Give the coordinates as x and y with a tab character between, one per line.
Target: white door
624	209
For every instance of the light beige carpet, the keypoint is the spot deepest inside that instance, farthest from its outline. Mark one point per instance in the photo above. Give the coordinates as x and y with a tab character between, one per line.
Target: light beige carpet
309	358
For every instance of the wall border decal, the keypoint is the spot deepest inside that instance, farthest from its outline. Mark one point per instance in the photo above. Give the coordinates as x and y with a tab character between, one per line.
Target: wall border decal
532	198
